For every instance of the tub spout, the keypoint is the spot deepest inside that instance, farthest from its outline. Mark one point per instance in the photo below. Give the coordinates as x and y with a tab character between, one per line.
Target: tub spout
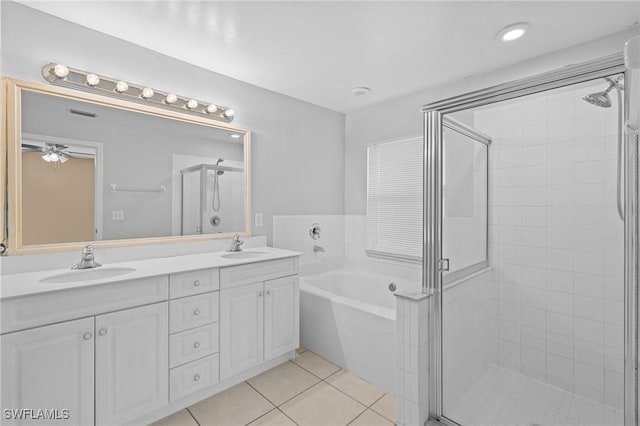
317	249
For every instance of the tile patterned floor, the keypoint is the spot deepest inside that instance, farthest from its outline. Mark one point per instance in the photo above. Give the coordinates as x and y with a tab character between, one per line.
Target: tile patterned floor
504	397
308	390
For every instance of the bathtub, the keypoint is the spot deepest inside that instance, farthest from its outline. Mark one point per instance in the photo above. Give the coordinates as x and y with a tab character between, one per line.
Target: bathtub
348	316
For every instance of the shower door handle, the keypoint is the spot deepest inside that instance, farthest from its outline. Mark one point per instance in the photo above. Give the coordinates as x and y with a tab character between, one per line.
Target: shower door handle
443	265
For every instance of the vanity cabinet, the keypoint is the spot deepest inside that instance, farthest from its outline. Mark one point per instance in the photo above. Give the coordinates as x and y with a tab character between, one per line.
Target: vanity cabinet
136	350
131	363
124	362
194	343
50	367
258	320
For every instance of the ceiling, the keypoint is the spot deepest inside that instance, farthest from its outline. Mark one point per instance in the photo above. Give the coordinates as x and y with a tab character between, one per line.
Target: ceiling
318	50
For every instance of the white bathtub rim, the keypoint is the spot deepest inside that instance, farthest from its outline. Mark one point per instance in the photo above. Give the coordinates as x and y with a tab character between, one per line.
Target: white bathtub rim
388	313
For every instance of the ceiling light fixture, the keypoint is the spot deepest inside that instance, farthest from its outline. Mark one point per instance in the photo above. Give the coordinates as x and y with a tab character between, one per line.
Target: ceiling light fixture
513	31
61	75
235	135
360	91
53	154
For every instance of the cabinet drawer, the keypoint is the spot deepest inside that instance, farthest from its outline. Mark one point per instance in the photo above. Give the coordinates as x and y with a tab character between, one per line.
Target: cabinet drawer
19	313
193	311
193	344
255	272
193	282
192	377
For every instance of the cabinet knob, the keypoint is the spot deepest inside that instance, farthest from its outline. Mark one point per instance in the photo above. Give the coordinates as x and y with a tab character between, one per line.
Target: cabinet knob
196	378
196	312
260	294
102	331
87	336
268	292
196	345
196	283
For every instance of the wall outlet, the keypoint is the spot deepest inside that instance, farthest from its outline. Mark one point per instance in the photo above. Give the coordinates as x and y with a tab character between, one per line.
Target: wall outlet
117	215
258	220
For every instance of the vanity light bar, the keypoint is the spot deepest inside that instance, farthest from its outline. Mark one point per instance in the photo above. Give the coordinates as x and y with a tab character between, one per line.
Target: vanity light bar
62	75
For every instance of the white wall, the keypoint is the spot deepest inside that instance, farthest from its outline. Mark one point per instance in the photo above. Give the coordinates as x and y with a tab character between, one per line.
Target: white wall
298	148
401	118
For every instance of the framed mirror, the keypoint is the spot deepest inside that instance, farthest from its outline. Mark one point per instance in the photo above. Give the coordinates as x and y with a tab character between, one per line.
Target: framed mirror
85	168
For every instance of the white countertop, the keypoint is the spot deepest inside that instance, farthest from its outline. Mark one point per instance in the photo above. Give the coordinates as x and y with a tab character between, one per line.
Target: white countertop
28	283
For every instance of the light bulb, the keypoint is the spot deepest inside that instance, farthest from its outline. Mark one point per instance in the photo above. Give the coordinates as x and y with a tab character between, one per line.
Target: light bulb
171	98
60	71
46	158
147	92
92	80
192	104
211	108
122	86
229	113
63	158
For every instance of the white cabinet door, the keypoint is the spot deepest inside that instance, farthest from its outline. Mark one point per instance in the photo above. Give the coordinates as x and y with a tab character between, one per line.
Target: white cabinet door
50	367
132	363
241	328
281	316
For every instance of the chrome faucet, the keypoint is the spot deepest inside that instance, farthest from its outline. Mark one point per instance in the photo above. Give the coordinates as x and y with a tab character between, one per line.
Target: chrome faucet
87	261
235	244
317	249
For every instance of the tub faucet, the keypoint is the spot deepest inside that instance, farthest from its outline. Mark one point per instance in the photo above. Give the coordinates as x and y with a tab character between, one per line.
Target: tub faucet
317	249
235	244
87	261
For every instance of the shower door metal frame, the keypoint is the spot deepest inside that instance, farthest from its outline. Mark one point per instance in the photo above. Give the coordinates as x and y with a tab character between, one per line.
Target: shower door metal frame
434	115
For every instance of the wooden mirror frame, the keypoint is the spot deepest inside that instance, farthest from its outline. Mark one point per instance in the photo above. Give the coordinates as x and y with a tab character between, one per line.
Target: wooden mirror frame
10	103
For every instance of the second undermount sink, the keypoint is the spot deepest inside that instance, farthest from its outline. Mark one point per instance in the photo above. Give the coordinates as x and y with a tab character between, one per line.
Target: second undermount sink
245	254
80	275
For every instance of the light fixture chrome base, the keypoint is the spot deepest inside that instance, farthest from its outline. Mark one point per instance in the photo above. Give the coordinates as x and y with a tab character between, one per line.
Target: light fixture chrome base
61	75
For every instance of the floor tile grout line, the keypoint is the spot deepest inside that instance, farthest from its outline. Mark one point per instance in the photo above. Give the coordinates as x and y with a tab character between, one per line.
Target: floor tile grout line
260	393
298	394
287	416
356	400
309	371
192	416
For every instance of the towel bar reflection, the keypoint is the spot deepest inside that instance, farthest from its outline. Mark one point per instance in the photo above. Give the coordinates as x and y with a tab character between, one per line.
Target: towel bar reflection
120	188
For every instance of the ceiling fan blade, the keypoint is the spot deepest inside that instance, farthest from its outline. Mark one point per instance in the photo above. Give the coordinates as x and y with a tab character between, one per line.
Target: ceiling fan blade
32	147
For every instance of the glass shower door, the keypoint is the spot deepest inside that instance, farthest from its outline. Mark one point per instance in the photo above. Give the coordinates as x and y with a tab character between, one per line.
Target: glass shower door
456	259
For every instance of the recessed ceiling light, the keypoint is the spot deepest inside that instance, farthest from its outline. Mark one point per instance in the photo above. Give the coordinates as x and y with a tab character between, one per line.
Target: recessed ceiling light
513	32
360	91
235	135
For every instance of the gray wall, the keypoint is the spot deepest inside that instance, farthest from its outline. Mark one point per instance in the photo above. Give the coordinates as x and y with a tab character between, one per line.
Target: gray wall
298	148
401	118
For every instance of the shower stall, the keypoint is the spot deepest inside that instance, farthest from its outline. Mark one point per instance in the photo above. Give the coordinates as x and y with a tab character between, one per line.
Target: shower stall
531	251
211	198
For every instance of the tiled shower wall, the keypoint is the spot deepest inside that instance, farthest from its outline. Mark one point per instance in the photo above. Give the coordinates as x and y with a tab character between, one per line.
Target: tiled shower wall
557	241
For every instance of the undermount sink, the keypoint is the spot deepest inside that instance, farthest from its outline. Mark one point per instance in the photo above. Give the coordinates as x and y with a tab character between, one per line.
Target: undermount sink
79	275
245	254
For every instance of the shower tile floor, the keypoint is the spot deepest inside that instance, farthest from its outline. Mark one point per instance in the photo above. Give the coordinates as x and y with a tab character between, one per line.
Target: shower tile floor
308	390
502	397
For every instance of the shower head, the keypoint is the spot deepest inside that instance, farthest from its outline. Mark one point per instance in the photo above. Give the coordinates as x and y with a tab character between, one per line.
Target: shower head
220	172
602	99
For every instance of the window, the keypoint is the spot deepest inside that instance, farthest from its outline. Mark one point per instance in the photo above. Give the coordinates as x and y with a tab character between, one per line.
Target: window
394	200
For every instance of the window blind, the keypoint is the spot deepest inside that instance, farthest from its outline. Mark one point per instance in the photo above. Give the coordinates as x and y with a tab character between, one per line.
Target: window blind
394	200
